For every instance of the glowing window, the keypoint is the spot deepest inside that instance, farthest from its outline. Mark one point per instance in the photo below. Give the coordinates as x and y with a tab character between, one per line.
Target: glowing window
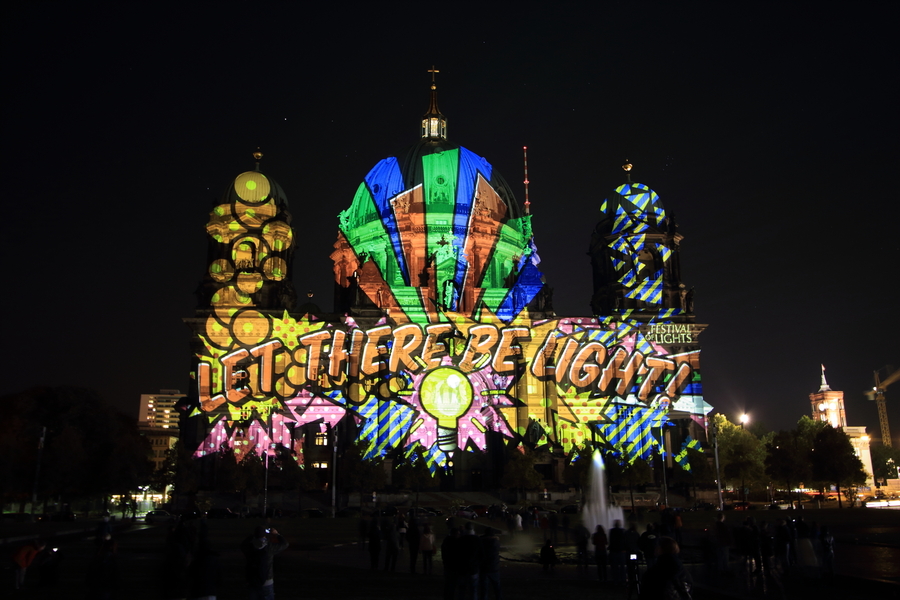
320	465
321	439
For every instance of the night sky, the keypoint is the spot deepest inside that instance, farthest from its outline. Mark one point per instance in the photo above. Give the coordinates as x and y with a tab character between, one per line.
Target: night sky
769	131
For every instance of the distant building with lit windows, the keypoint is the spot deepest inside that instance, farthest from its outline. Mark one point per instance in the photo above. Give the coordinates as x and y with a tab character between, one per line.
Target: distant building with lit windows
158	422
158	410
828	406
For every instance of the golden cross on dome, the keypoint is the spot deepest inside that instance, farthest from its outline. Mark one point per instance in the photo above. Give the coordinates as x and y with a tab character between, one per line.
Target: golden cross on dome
432	70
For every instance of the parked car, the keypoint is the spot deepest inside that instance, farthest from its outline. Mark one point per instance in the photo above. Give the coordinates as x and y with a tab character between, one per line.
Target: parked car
466	512
312	513
570	509
421	512
20	517
158	516
65	515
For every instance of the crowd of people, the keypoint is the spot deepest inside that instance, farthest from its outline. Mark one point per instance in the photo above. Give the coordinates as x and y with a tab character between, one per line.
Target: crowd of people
647	561
768	550
470	562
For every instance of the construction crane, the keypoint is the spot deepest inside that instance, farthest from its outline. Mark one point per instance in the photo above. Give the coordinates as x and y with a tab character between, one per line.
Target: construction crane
877	394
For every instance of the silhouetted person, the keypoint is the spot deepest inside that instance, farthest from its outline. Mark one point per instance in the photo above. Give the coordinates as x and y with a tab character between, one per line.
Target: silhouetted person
259	554
174	573
428	548
582	539
548	556
649	543
489	571
723	539
469	564
103	571
667	579
617	551
413	536
600	553
47	563
23	558
104	527
205	572
374	544
450	556
391	546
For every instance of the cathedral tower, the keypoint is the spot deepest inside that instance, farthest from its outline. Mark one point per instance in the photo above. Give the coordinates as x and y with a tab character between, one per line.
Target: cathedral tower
635	257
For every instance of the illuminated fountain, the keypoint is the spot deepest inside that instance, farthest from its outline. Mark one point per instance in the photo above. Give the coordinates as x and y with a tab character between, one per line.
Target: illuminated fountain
597	510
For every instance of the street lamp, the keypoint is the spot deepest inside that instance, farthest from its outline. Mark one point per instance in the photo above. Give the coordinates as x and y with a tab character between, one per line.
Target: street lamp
715	432
744	418
662	456
266	481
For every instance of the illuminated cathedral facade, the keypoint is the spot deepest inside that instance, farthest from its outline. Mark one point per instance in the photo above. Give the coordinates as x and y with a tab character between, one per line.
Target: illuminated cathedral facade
443	340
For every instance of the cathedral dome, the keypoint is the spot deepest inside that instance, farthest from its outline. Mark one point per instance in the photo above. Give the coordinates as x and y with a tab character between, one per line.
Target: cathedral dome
254	188
410	164
435	229
632	208
634	256
253	244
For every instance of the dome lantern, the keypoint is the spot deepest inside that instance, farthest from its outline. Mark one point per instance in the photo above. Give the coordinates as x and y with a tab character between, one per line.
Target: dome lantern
434	124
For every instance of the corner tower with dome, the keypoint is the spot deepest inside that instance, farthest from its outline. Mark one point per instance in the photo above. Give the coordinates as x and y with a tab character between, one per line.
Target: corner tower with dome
443	343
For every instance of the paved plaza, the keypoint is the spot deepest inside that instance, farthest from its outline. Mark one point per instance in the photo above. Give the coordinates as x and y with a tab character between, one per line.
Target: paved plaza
326	560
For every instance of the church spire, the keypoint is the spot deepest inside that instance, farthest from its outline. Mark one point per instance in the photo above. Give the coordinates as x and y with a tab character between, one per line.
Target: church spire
824	387
434	124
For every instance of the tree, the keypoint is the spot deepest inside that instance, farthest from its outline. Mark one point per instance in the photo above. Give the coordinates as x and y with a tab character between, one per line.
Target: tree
519	473
177	471
787	459
885	462
834	460
253	472
360	475
629	474
701	472
741	454
413	473
286	470
577	471
94	449
228	474
128	465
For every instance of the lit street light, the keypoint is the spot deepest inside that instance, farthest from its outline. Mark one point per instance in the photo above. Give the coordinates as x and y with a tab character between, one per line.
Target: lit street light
744	418
715	433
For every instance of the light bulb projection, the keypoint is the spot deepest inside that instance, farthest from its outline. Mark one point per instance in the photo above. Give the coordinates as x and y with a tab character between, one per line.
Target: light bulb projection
446	395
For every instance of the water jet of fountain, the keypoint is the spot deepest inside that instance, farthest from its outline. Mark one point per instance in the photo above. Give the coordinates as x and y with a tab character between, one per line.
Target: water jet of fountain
597	510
